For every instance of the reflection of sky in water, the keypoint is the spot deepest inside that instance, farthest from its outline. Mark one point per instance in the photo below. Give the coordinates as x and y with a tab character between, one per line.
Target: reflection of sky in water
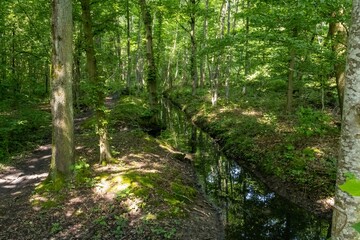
260	198
250	210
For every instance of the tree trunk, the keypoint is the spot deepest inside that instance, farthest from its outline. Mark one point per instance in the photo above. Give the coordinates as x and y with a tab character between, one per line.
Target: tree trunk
151	68
347	207
119	56
228	59
128	76
61	90
247	54
193	61
290	87
170	63
98	84
338	35
203	45
139	60
77	72
292	61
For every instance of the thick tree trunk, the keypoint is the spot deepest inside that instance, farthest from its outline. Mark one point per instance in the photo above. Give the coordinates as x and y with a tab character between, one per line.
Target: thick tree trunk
61	90
98	84
347	207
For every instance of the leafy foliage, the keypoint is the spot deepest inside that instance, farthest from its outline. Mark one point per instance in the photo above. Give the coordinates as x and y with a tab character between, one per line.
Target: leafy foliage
351	186
22	129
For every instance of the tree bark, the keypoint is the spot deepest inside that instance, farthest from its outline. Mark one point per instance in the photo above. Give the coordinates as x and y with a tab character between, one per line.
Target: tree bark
61	90
193	60
97	84
347	207
338	35
203	45
128	76
151	68
290	89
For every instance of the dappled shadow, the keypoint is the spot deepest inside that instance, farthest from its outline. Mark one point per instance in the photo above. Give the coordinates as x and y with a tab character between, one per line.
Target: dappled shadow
26	174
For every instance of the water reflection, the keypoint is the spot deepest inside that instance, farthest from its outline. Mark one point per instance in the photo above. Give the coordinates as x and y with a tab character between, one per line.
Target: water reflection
250	210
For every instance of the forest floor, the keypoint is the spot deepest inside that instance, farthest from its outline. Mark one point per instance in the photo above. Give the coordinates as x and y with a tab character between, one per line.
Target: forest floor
148	192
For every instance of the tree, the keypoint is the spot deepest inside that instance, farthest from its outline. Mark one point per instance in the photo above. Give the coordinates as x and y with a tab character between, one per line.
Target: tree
61	89
98	84
347	207
151	77
338	34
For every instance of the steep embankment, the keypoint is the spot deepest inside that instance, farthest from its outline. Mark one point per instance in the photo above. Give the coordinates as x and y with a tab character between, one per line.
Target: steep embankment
294	155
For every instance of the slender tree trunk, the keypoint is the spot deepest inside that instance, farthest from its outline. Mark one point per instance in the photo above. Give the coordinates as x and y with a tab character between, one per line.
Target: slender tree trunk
77	72
228	60
203	45
61	90
338	35
347	207
170	62
159	45
193	61
98	84
46	75
247	54
3	53
119	55
128	76
151	68
139	60
290	88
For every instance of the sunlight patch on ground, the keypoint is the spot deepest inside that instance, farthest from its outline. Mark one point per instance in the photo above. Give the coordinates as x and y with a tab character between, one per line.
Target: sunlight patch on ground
37	200
251	113
110	187
268	119
133	205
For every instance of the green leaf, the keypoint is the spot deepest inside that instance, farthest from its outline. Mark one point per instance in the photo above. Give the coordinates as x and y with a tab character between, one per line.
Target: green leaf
351	186
356	226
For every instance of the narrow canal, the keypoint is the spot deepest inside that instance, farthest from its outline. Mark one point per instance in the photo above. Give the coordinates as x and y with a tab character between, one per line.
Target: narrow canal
249	209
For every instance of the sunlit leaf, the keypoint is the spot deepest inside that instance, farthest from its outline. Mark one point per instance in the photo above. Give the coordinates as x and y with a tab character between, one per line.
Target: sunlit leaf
351	186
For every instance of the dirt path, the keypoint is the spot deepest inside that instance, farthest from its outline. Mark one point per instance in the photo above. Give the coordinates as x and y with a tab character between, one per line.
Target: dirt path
18	182
155	203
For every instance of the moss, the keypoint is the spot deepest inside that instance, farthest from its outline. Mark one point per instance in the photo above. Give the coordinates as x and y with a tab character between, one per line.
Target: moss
183	192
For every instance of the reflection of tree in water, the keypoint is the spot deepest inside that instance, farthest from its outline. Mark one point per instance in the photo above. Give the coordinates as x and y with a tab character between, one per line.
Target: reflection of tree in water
250	211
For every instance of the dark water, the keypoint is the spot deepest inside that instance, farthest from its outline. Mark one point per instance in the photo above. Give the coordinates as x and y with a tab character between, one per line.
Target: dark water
250	210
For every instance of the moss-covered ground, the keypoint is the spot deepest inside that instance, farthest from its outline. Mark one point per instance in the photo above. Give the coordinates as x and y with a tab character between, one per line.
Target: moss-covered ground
293	153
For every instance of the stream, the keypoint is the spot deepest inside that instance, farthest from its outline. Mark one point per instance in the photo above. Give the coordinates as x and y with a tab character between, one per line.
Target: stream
249	209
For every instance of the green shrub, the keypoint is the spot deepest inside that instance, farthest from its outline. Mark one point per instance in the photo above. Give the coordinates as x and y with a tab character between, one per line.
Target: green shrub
21	129
312	122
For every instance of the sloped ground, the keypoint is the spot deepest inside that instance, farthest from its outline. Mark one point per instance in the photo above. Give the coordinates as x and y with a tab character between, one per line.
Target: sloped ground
145	194
294	155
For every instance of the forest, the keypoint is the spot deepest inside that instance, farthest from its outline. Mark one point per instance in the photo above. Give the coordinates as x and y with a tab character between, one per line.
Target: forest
179	119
